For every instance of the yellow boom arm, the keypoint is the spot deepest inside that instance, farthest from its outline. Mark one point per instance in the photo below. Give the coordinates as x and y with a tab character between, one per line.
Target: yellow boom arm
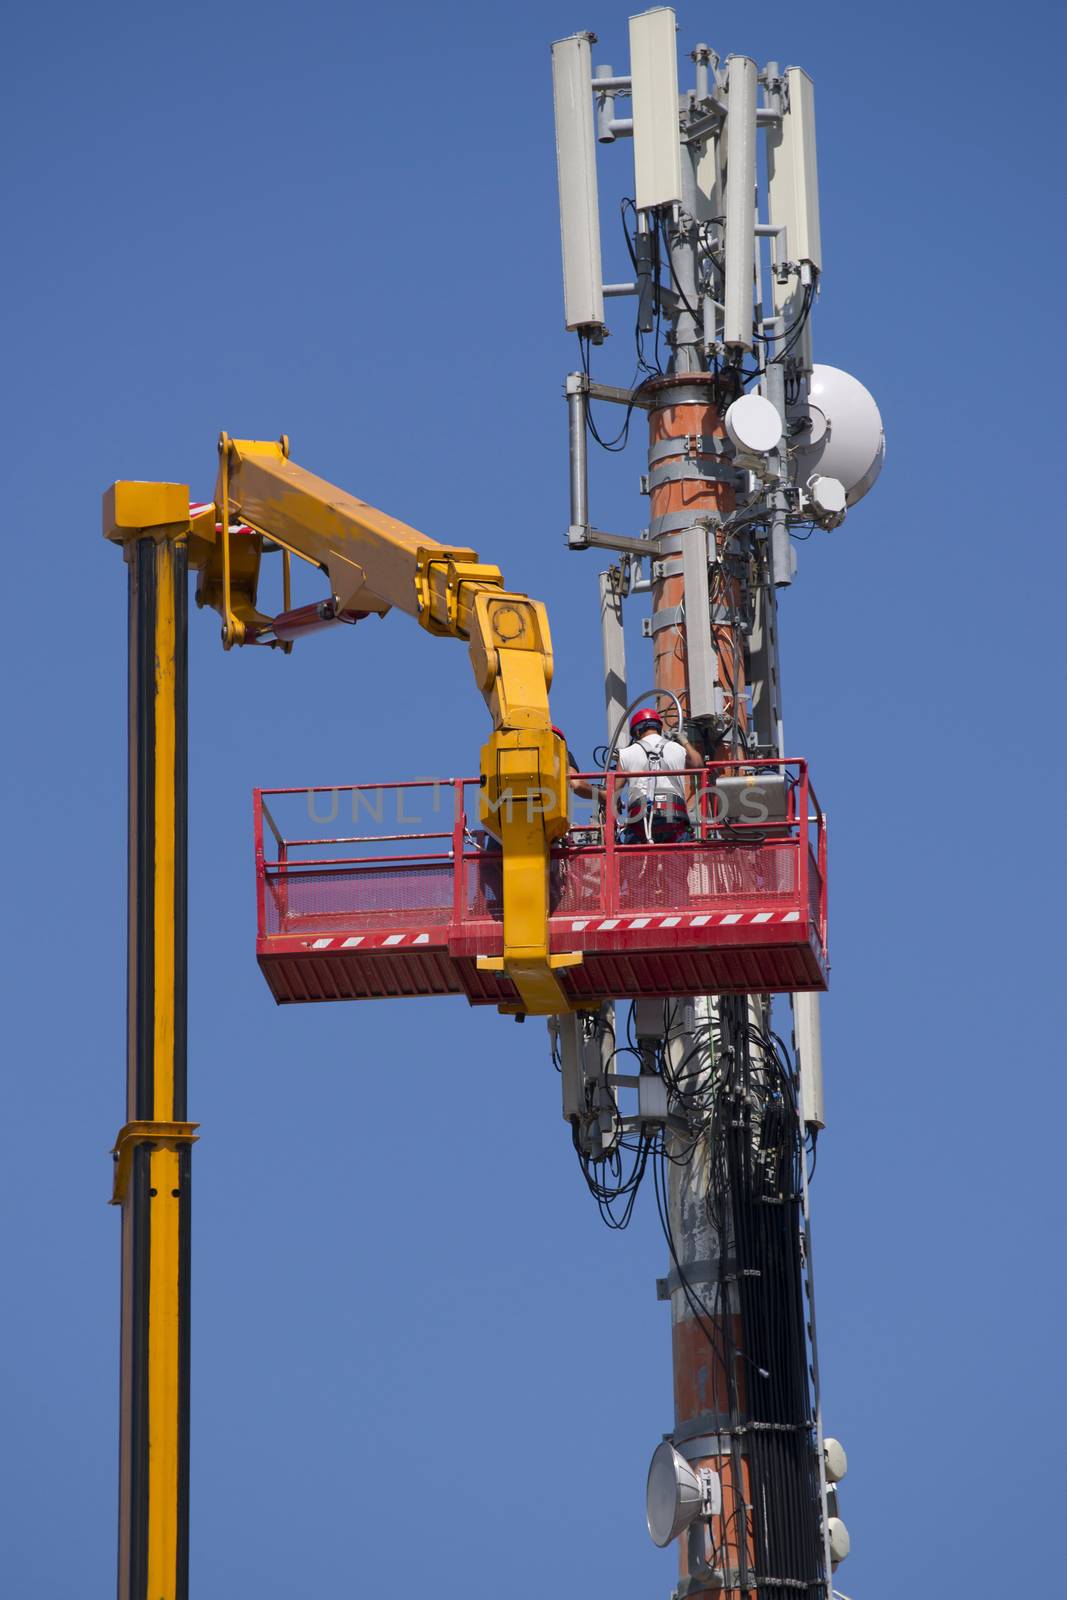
373	562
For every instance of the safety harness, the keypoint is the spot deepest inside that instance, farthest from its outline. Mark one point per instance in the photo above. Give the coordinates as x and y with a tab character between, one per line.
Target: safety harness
672	805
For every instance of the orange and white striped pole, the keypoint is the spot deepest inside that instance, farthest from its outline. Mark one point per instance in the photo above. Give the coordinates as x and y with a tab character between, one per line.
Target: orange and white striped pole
690	478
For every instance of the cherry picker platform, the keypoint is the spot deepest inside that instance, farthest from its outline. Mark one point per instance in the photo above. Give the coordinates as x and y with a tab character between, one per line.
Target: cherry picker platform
407	908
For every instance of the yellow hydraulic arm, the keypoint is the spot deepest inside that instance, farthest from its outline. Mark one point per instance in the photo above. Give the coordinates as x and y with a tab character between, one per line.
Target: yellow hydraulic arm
373	563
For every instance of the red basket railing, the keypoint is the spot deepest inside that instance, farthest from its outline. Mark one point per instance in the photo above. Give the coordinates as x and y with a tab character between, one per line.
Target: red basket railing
451	874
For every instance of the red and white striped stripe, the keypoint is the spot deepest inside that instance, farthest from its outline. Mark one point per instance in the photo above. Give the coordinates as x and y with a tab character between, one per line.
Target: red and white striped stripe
372	941
710	919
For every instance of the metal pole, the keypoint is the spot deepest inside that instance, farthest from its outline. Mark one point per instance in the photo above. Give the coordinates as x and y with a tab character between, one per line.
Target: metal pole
738	1405
613	645
773	385
776	571
153	1154
688	332
577	403
705	1331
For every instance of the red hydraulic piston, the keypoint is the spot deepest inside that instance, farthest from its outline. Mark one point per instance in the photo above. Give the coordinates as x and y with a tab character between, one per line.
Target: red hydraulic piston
302	620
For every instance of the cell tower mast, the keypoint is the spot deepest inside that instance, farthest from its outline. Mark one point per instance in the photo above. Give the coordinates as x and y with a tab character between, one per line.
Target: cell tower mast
511	903
748	440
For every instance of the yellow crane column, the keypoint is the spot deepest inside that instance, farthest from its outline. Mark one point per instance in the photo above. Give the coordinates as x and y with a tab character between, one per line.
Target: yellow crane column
153	1150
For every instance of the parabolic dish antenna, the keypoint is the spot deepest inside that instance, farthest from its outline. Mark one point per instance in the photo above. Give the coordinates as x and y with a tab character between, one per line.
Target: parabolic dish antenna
846	439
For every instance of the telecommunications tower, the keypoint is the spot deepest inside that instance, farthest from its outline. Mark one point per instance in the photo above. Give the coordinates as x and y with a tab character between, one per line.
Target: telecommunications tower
749	441
654	934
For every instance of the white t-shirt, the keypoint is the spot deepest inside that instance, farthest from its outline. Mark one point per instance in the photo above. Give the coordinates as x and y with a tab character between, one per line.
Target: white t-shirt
660	758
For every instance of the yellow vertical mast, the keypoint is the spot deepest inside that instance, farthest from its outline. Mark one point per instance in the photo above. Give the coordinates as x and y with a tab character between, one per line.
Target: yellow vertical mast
153	1149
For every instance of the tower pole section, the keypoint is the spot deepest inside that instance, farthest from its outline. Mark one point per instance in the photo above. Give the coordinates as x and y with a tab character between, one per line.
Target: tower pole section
698	655
153	1154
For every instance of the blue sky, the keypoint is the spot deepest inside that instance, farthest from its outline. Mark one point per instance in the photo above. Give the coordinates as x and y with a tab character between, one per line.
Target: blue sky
418	1355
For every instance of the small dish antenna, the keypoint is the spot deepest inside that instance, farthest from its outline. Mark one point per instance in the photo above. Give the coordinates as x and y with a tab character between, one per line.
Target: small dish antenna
678	1494
754	425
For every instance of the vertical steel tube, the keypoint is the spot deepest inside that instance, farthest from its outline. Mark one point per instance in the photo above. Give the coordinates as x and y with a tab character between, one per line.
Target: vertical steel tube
688	332
154	1368
773	385
605	107
613	645
702	56
577	401
807	1043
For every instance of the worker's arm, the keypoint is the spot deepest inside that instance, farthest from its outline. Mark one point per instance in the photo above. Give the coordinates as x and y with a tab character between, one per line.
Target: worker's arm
582	786
374	562
693	757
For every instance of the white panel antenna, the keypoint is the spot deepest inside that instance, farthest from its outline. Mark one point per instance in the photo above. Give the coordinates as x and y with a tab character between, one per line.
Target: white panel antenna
741	81
579	215
793	198
793	183
654	89
707	170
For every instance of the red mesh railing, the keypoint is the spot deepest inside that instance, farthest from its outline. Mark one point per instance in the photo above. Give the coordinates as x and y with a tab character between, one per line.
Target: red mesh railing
576	883
815	893
702	876
729	869
484	874
359	897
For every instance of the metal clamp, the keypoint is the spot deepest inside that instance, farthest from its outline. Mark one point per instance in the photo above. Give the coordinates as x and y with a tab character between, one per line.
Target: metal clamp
688	445
705	1422
584	538
669	617
696	469
678	521
133	1134
581	383
718	1578
707	1270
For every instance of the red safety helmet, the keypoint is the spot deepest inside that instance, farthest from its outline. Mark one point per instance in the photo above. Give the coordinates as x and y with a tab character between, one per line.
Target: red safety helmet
641	721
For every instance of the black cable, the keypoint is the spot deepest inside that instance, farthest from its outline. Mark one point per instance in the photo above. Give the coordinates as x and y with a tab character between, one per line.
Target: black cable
620	440
798	326
670	265
735	1085
639	339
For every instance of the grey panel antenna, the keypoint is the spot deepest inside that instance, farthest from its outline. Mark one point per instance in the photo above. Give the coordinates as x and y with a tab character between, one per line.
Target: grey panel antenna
579	217
654	75
740	201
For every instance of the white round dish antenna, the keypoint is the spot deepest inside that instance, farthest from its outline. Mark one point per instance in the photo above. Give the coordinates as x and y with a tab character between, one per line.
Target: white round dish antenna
754	425
828	496
840	1543
674	1496
836	1460
845	439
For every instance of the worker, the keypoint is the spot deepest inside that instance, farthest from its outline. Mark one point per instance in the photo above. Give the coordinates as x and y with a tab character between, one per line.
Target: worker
578	786
656	810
